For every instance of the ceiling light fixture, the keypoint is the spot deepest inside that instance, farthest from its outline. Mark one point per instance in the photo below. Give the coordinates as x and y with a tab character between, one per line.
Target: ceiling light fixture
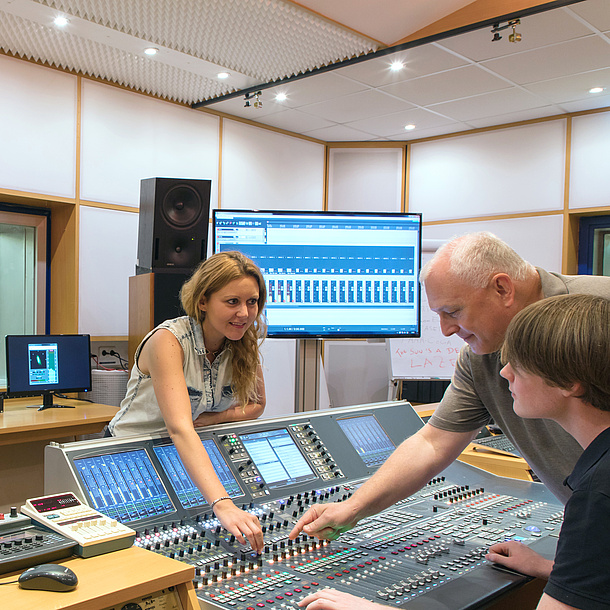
281	97
497	28
396	65
60	21
256	96
409	127
151	51
222	75
597	89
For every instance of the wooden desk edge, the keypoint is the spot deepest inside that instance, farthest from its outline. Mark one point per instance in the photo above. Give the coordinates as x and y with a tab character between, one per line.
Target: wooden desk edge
86	418
108	580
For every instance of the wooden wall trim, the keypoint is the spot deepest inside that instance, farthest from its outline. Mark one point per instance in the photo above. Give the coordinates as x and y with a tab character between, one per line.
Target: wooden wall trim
77	172
219	181
451	221
569	246
395	144
109	206
64	270
35	199
404	191
285	132
326	179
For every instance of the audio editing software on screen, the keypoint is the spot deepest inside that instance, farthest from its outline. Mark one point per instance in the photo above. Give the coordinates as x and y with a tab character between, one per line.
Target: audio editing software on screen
331	274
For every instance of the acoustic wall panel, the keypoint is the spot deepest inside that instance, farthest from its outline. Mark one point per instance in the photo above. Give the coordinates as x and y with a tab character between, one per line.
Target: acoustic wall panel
127	136
365	179
37	129
357	372
537	239
108	246
589	175
262	169
516	170
279	368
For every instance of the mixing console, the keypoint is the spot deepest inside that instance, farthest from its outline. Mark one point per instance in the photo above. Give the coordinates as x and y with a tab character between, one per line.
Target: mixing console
426	551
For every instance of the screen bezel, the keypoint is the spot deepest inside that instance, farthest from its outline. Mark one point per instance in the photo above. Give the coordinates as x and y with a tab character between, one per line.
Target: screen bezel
43	390
293	334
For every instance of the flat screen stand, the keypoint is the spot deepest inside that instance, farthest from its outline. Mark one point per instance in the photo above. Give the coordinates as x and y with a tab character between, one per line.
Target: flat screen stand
307	381
47	403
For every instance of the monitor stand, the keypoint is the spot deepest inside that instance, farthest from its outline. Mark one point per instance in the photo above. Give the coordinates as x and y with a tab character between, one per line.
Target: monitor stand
47	403
308	371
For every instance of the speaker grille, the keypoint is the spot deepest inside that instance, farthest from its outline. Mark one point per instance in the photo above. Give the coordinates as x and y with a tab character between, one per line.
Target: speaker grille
182	207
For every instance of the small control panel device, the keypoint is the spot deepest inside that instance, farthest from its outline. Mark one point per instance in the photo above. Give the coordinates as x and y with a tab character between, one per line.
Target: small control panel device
24	544
93	532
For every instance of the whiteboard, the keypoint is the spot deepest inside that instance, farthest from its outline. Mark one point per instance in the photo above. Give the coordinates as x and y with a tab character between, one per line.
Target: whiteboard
432	356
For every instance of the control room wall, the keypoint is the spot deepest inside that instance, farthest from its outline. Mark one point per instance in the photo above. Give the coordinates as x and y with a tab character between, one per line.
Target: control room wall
81	147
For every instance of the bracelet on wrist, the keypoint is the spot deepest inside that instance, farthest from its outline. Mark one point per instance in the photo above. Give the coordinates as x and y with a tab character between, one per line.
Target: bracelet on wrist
218	500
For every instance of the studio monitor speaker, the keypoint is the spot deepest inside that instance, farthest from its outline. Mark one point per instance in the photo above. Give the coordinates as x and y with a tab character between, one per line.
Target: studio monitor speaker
173	231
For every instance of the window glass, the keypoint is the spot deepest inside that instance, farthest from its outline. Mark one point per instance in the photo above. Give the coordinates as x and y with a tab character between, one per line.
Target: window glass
22	278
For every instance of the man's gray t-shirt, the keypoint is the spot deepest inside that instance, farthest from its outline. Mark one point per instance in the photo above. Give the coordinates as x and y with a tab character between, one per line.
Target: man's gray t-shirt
478	393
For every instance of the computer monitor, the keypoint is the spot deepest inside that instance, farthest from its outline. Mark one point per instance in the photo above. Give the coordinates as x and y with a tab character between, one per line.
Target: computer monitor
45	364
331	274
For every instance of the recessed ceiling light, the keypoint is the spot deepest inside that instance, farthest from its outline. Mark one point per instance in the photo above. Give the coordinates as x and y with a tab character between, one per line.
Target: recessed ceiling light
597	89
151	51
60	21
281	97
222	75
409	127
397	65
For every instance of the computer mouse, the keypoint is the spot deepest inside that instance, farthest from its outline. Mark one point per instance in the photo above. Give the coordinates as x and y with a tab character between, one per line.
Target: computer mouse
48	577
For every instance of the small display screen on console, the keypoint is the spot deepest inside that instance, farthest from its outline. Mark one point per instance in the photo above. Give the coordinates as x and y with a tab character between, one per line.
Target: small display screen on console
183	485
52	503
368	438
124	486
277	457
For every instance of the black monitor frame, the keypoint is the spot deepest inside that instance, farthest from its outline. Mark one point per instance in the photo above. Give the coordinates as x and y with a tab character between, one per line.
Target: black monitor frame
71	362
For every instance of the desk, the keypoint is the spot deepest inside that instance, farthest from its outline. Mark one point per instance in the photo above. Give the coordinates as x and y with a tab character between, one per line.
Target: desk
108	581
24	433
496	463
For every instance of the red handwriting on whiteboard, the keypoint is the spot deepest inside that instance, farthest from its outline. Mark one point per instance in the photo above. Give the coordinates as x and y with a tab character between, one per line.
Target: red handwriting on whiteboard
429	357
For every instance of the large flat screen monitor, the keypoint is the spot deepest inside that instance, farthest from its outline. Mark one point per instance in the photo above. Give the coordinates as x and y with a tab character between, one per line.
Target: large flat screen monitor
331	274
45	364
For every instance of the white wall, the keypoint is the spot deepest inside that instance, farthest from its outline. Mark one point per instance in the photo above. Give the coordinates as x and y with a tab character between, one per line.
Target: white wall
108	247
537	239
365	179
514	170
271	171
589	165
127	137
471	179
37	129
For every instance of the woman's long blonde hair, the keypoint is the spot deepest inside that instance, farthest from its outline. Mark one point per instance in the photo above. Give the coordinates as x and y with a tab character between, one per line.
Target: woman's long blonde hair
212	275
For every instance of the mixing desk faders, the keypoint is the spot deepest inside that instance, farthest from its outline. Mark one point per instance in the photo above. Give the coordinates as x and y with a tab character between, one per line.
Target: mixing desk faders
426	551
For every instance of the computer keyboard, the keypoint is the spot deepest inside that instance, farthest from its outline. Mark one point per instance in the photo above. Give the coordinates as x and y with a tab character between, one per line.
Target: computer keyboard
498	442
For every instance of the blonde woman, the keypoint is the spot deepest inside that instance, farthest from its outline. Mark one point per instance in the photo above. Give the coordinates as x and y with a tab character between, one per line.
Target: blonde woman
202	369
